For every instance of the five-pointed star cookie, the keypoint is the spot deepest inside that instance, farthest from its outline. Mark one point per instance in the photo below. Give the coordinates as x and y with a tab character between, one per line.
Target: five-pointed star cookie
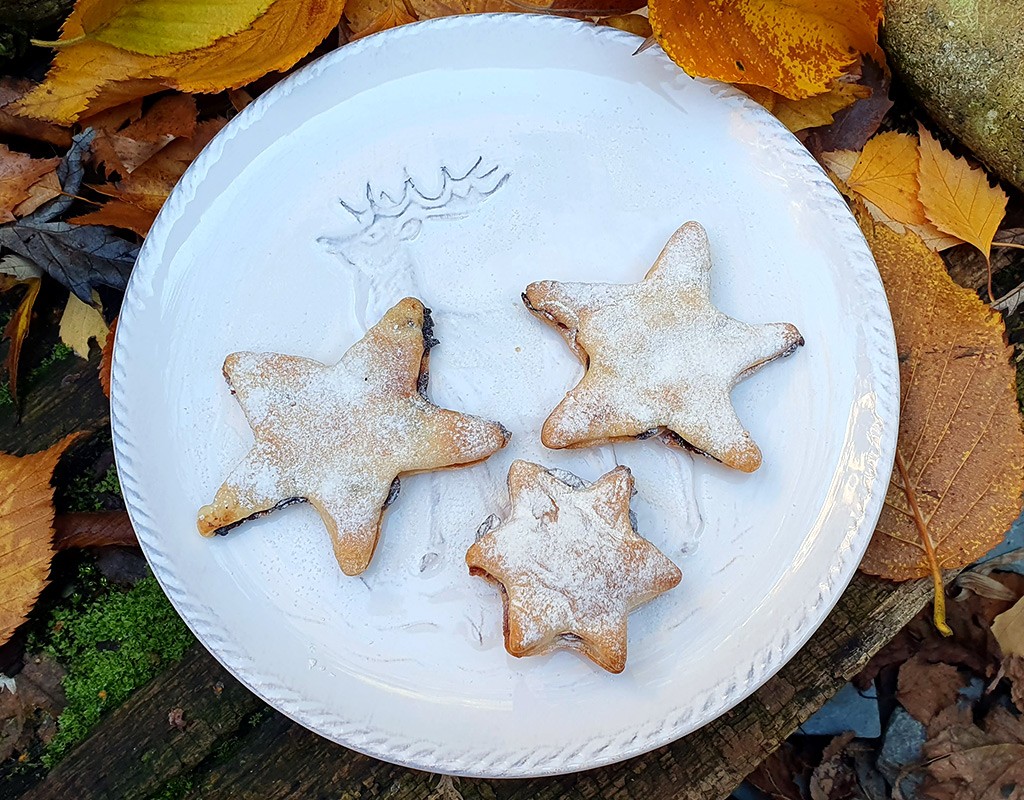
660	358
339	436
570	565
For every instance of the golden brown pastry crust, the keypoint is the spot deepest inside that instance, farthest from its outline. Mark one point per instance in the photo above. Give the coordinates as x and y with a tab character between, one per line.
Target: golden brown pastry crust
570	566
339	436
661	360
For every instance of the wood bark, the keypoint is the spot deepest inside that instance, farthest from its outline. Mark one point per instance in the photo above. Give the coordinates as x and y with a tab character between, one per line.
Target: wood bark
224	753
963	62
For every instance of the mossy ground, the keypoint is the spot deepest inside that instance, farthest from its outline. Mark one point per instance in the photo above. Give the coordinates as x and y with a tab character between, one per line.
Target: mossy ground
111	642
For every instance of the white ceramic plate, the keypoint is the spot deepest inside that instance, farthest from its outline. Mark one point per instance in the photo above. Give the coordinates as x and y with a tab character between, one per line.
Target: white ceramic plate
597	156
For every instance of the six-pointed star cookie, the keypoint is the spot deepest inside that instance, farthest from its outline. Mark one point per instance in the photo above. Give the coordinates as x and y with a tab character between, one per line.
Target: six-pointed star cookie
660	358
570	565
340	436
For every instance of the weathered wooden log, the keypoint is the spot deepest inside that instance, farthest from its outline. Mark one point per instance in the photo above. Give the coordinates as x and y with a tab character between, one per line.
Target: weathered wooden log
964	62
224	752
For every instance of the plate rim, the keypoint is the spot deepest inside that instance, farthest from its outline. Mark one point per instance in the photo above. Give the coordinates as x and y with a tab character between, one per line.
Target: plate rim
435	756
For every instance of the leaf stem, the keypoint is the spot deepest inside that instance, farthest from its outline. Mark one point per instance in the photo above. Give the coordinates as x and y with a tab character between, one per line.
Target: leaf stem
1008	244
939	614
58	43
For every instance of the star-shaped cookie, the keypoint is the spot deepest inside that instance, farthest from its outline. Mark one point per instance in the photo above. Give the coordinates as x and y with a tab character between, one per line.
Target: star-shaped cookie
660	358
569	563
339	436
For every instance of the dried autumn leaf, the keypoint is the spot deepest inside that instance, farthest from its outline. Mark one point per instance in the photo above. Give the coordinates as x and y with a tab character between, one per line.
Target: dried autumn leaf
968	762
796	48
79	257
160	27
17	326
925	688
884	175
856	124
384	14
93	76
124	151
637	24
810	112
26	532
107	358
958	198
42	191
11	91
960	452
80	324
139	197
94	529
17	174
1008	628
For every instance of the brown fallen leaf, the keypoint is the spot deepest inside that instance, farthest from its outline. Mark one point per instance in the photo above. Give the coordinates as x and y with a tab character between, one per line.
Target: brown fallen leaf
959	470
968	762
810	112
30	712
796	48
90	76
776	776
26	533
93	529
139	197
42	191
833	778
17	174
969	267
855	125
123	151
107	358
11	125
957	197
17	327
925	688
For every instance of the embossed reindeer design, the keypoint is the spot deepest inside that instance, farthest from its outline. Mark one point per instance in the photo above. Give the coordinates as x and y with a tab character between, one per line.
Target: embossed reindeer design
383	268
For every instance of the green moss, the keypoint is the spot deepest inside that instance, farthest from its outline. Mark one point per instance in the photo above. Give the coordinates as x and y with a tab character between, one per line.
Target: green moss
60	352
5	395
110	646
85	492
174	789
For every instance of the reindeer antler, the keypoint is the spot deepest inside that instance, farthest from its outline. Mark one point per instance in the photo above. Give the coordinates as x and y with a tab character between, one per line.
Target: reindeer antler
457	196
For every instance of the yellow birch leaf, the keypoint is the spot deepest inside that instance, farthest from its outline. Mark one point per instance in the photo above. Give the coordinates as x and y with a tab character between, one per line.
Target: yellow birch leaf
957	197
959	470
91	76
26	531
886	175
873	177
81	323
159	27
796	48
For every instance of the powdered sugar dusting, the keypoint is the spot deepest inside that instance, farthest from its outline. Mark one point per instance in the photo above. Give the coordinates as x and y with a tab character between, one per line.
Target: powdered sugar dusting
660	357
339	435
570	564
